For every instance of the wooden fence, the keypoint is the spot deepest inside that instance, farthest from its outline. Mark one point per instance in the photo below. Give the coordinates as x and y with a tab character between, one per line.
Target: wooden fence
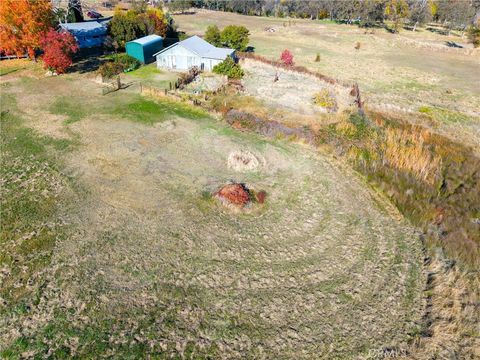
168	94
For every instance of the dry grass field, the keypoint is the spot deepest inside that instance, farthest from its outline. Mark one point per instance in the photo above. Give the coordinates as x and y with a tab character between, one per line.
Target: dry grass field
112	244
415	74
113	247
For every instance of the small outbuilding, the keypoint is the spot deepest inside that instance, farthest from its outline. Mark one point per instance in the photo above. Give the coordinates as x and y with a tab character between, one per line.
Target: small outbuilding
190	52
143	49
88	34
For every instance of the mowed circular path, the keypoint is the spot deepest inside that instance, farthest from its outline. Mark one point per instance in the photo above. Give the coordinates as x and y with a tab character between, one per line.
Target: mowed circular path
322	270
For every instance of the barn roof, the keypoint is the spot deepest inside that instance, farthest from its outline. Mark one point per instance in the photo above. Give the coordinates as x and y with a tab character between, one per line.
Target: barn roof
87	25
84	27
202	48
147	39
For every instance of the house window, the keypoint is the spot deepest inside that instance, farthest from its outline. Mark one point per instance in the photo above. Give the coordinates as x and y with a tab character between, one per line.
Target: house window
190	61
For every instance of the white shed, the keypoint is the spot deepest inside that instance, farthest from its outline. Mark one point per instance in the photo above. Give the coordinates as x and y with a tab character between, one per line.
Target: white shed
193	51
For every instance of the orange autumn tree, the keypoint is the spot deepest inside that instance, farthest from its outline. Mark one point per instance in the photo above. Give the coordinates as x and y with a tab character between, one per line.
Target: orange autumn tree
22	24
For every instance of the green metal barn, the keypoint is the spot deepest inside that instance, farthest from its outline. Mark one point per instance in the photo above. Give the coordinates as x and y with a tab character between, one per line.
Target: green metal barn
143	48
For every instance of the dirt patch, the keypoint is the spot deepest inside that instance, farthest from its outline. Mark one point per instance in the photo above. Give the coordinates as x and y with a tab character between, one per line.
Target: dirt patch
48	124
242	120
242	160
279	87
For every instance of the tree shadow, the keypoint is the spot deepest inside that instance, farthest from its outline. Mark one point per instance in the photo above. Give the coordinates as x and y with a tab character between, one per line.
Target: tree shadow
453	44
87	64
167	41
437	31
250	49
410	28
186	12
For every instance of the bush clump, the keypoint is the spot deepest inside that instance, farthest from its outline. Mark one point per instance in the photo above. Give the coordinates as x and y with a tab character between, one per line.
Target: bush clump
473	34
213	35
235	37
232	36
186	78
324	99
230	68
118	63
287	57
128	62
109	69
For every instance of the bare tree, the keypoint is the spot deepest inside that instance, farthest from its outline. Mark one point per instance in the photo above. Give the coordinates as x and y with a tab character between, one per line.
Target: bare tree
456	14
68	10
420	12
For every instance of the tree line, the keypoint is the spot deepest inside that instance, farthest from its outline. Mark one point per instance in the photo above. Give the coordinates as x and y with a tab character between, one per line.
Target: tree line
452	14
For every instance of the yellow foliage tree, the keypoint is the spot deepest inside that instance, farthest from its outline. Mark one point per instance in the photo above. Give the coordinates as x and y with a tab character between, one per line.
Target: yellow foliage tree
397	11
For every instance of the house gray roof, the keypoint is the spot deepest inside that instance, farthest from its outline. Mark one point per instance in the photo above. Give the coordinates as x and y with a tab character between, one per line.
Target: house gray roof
147	39
202	48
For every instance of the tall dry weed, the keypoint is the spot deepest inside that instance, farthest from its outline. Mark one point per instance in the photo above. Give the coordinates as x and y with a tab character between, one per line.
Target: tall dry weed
408	151
451	317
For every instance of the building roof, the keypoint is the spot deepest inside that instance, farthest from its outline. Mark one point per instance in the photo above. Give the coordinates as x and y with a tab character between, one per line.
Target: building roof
85	27
147	39
202	48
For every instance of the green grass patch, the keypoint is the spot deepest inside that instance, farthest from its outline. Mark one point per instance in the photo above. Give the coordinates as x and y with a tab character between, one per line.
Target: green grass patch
151	75
146	71
413	85
6	71
13	65
31	185
150	111
71	108
444	115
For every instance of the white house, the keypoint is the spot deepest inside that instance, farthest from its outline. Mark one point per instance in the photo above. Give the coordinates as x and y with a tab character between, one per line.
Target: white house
193	51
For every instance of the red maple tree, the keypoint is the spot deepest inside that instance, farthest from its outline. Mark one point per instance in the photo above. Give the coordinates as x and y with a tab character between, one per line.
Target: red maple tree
58	49
22	25
287	57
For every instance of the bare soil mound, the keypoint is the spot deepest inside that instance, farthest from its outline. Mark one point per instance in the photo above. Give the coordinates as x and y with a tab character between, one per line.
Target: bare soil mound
234	194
